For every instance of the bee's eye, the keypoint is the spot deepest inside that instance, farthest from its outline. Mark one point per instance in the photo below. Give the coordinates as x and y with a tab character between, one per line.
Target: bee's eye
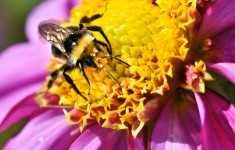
70	42
89	61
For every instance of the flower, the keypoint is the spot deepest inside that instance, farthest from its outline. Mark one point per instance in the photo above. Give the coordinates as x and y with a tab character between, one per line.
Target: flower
175	49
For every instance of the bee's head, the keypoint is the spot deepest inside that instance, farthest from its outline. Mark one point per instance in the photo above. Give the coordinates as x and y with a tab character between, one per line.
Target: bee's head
71	42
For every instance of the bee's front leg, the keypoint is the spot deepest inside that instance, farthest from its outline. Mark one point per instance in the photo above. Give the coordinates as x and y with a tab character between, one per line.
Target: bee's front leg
99	29
87	20
81	68
70	81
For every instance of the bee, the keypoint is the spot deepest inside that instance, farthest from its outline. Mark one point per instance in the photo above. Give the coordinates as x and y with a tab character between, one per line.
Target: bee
79	48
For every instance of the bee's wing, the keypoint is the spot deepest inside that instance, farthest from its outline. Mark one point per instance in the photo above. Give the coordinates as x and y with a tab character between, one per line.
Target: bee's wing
55	34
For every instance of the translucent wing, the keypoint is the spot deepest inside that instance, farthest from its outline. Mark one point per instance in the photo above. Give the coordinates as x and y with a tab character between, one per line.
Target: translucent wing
55	34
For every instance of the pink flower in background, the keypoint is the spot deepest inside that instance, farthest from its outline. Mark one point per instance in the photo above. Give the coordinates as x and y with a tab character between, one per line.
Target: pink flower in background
199	121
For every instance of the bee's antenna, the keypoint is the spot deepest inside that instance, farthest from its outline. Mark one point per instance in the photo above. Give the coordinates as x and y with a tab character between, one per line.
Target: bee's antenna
115	57
106	71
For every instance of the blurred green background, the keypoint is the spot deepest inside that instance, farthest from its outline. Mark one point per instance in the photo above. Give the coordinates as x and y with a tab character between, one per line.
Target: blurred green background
13	14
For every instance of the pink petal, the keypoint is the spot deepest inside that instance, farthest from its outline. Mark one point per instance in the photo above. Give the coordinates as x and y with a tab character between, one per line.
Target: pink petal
47	131
25	109
218	17
49	9
224	69
222	48
72	3
138	143
14	98
217	121
96	137
22	64
177	127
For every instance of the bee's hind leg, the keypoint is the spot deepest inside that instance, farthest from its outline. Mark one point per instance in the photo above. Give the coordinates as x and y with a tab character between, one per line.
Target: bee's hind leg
53	75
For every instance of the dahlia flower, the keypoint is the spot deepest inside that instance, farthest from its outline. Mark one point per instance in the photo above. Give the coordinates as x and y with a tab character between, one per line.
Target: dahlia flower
177	50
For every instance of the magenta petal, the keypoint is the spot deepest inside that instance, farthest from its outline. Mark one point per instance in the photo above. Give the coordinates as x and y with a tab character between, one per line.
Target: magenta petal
49	9
224	69
98	138
178	127
138	143
47	131
217	120
22	64
218	17
14	97
72	3
26	109
222	48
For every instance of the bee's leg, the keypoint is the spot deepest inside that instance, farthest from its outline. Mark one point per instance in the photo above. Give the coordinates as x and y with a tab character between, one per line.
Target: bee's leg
99	29
110	56
105	45
115	57
81	68
53	75
86	19
70	81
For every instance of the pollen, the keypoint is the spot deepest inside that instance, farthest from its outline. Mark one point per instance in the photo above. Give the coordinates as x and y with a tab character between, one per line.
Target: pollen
151	38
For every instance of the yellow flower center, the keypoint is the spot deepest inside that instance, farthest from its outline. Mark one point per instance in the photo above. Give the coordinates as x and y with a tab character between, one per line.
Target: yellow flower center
152	39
